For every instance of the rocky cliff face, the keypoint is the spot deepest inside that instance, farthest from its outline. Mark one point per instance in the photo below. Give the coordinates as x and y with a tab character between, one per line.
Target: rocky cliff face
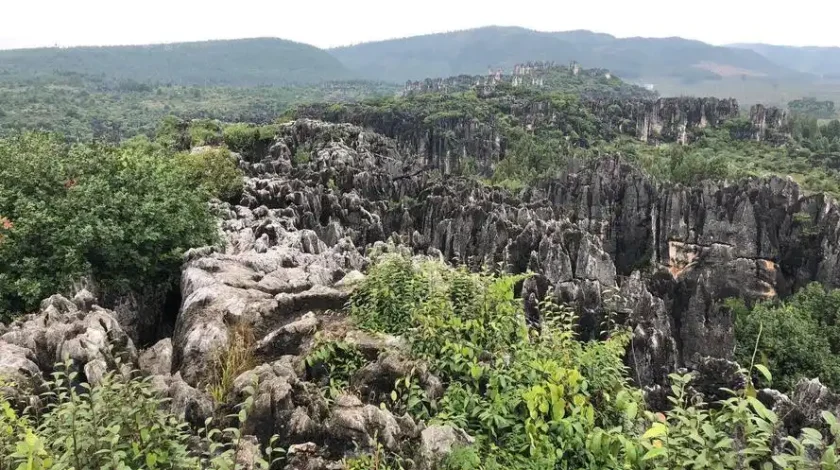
769	124
299	240
447	139
534	74
676	252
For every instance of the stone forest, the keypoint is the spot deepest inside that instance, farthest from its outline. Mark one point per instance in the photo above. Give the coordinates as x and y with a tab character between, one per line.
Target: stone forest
540	267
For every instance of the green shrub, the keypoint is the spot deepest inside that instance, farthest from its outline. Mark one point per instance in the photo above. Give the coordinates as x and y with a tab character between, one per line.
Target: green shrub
800	337
120	217
205	132
301	157
119	423
248	139
215	170
384	302
241	137
547	400
173	134
529	401
333	363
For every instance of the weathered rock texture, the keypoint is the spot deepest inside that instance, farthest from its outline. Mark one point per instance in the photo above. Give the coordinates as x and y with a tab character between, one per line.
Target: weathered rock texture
296	244
63	330
448	140
300	228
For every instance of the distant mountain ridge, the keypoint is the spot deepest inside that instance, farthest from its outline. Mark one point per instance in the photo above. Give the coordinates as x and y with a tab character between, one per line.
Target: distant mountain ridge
243	62
821	61
673	66
473	51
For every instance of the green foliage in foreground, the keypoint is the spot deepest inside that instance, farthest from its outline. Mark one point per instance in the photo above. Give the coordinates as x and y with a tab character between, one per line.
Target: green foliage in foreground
120	217
800	337
119	423
547	400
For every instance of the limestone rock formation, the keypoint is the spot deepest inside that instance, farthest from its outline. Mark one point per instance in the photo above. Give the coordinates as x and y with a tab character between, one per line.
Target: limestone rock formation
90	337
602	238
436	442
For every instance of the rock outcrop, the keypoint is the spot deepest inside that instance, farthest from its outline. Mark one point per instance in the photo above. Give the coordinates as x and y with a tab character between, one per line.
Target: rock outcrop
63	330
297	243
302	227
449	141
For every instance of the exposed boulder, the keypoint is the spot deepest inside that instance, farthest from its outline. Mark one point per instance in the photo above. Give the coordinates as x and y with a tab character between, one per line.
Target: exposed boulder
59	332
374	344
354	424
157	360
803	407
193	405
288	339
375	381
20	376
437	442
283	405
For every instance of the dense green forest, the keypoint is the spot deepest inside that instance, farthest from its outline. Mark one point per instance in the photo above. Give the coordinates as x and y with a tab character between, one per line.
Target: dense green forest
83	109
245	62
813	108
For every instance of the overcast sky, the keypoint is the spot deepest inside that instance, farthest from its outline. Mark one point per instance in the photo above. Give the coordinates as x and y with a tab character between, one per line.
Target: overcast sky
327	23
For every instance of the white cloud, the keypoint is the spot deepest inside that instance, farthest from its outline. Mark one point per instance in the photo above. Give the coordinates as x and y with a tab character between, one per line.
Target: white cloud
326	23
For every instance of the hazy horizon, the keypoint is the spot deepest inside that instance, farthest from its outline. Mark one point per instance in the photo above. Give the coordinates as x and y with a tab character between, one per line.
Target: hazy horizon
327	23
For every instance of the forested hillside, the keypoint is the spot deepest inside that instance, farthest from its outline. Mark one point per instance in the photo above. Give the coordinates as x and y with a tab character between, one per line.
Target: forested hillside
473	51
84	109
821	61
245	62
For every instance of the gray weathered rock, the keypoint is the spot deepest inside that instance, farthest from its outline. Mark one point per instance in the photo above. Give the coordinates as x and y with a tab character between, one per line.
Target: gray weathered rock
61	332
357	424
437	442
157	360
375	381
288	339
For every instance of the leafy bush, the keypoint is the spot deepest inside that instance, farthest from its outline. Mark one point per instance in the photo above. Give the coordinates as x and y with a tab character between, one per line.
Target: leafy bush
120	217
384	302
538	400
216	171
530	401
333	363
115	424
248	139
173	133
119	423
301	157
205	132
800	337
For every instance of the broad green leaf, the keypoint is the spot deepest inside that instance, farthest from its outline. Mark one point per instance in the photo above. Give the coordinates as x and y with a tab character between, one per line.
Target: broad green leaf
654	453
765	372
656	430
